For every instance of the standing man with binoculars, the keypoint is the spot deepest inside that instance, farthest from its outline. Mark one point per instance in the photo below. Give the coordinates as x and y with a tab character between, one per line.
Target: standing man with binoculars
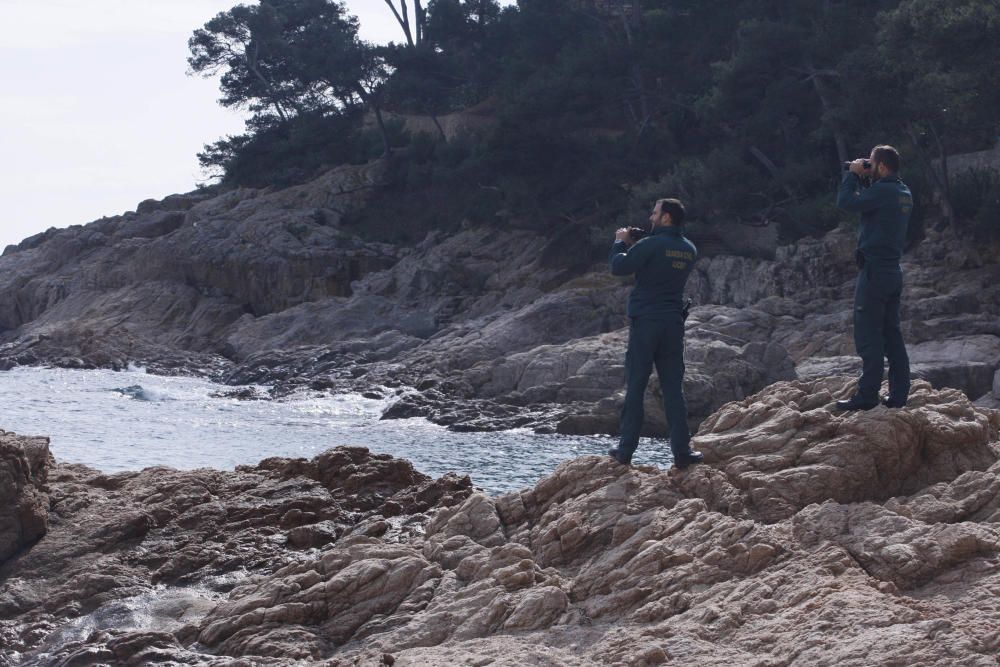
661	261
885	207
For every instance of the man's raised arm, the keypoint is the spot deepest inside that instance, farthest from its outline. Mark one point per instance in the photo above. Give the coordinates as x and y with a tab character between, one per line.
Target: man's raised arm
852	197
625	260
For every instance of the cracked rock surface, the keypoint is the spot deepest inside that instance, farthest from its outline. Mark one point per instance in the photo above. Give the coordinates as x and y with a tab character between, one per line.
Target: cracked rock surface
24	465
163	545
478	328
807	538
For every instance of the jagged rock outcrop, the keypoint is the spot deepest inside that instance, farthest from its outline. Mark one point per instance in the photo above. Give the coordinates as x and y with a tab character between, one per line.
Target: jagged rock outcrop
811	536
785	452
486	328
24	468
175	275
601	564
512	351
127	537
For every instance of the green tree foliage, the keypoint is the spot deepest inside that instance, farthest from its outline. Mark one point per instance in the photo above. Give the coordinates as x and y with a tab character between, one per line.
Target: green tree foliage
446	68
938	59
242	45
288	62
943	54
744	108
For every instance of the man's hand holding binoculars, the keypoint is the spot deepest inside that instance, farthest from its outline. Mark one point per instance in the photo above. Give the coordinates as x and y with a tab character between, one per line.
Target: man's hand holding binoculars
631	235
861	167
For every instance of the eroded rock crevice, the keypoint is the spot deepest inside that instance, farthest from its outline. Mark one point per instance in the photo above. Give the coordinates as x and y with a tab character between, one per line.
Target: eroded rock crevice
484	328
785	546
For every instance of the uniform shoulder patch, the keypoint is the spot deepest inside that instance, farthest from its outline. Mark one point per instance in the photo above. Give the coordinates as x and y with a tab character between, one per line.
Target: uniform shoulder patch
905	203
680	254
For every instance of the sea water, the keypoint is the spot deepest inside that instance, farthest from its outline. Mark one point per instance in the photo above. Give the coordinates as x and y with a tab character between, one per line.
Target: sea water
116	421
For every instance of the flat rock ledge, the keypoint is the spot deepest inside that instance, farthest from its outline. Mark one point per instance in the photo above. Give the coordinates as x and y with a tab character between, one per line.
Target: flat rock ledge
808	538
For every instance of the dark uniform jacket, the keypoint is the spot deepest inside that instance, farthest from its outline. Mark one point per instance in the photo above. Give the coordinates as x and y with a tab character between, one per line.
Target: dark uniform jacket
661	263
885	213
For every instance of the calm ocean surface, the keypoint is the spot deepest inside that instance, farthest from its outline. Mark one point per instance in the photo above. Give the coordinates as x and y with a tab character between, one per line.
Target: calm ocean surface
131	420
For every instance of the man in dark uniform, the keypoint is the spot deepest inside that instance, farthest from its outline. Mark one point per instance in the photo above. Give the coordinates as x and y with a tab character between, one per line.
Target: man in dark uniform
661	263
885	209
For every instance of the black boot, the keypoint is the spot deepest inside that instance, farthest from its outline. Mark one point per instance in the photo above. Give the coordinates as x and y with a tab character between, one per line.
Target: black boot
620	455
684	460
889	403
855	403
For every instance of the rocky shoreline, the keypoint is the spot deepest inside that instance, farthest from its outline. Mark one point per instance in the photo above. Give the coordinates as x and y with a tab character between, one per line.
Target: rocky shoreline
807	537
488	328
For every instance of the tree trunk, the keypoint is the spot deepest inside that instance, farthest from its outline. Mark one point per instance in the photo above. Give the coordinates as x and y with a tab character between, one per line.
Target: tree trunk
386	148
642	118
775	172
824	99
440	129
373	104
403	19
937	180
250	54
945	177
421	17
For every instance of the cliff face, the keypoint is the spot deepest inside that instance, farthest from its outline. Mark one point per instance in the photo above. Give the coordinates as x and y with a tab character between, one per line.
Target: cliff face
807	536
487	328
175	275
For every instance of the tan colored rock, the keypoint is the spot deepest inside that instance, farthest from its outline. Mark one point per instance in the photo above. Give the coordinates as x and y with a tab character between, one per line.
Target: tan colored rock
892	547
24	503
605	564
785	449
476	518
785	549
341	592
137	535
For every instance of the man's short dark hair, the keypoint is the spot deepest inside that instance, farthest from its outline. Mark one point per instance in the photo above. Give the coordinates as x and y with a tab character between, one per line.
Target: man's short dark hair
887	155
675	208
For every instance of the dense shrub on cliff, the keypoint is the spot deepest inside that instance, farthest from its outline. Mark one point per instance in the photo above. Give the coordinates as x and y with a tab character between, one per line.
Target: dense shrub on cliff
976	193
744	107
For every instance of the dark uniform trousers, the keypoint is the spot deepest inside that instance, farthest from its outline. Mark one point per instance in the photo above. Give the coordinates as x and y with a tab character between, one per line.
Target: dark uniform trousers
877	333
655	342
885	209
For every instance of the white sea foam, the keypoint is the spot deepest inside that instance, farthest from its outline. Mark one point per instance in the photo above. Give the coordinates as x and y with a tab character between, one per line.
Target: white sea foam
131	419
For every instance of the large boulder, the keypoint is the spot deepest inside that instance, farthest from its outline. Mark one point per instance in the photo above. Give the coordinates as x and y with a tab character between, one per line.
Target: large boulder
127	536
878	546
796	269
863	538
24	501
968	363
787	447
727	358
992	399
548	363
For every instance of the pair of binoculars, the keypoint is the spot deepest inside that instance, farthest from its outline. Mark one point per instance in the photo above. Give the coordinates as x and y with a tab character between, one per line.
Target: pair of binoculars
867	164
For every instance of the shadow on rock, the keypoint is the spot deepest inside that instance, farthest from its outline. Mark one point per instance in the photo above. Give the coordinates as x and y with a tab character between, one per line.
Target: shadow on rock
865	538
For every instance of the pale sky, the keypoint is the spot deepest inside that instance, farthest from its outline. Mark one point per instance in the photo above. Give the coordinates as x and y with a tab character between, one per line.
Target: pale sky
96	111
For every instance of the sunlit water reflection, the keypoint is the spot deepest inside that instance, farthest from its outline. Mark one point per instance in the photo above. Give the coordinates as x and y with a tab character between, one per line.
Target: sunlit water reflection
131	420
